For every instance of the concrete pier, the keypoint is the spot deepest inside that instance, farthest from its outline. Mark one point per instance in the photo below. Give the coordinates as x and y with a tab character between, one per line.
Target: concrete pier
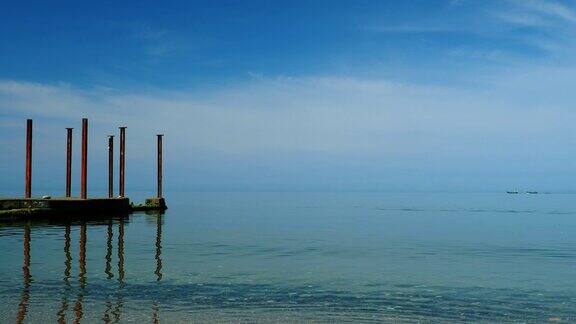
47	207
50	208
14	207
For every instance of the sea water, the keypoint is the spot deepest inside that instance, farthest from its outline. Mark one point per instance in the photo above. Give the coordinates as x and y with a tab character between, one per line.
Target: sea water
299	257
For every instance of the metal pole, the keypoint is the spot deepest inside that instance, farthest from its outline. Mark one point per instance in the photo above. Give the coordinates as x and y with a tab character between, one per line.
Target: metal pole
110	166
159	165
84	173
28	183
68	162
122	160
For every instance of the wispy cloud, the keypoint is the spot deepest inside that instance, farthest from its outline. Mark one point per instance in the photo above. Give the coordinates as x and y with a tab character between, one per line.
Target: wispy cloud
548	8
156	43
520	18
552	25
311	113
535	13
409	29
496	30
265	121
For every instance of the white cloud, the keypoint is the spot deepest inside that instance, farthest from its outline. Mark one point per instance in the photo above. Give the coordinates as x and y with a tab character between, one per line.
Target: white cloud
521	115
549	8
521	18
537	13
547	26
409	29
321	114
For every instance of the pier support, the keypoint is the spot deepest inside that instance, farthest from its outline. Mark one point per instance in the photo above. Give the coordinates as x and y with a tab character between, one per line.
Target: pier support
84	173
122	160
28	181
159	178
69	162
110	166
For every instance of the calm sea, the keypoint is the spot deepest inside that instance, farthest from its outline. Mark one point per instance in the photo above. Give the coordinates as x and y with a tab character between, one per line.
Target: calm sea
300	257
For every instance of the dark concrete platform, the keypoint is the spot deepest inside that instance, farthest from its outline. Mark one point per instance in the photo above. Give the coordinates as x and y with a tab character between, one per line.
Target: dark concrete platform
37	207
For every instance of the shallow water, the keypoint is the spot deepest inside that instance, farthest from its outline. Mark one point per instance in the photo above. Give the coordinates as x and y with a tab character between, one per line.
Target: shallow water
293	257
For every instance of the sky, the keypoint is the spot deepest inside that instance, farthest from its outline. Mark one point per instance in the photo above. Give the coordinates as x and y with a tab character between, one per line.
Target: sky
409	96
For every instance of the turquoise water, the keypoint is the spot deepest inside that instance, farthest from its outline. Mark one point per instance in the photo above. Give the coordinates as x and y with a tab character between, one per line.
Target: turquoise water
300	257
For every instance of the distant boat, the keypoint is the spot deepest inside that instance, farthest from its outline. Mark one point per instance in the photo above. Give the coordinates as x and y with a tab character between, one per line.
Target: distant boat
512	192
532	192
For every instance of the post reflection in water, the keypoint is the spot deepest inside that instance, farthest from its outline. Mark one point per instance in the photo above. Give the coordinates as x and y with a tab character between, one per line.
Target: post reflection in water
158	271
67	269
119	299
158	255
106	317
81	274
114	299
27	277
121	252
108	269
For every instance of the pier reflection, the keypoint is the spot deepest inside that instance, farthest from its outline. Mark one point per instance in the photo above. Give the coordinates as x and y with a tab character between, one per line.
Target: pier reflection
71	305
158	255
109	237
158	271
26	277
120	294
66	278
81	274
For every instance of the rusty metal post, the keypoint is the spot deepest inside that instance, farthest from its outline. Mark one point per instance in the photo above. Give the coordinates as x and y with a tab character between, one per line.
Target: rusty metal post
122	160
110	166
28	183
84	173
69	162
159	136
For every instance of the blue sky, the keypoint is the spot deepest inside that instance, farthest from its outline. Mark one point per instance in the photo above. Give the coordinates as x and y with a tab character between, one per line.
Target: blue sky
447	95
